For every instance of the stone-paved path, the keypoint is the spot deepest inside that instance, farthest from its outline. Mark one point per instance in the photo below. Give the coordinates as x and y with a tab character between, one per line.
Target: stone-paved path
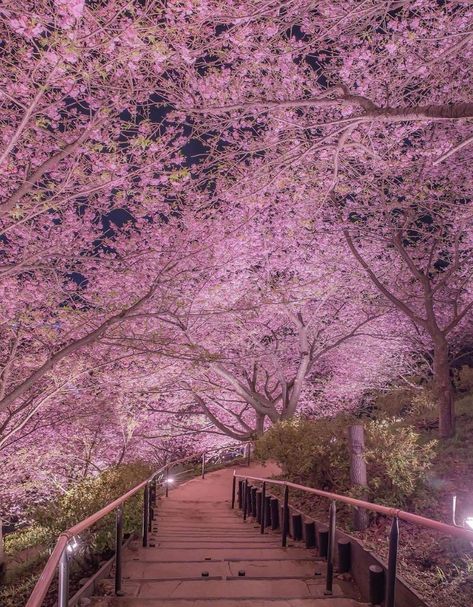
202	554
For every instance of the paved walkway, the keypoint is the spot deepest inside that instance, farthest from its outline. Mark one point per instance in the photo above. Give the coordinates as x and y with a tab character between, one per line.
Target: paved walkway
202	554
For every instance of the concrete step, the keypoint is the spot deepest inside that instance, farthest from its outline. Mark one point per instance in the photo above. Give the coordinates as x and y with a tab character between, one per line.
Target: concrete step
253	569
292	602
233	544
230	588
199	554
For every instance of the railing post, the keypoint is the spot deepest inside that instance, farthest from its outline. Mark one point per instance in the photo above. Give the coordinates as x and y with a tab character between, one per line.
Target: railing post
233	490
118	550
248	454
331	547
203	465
145	515
63	589
263	508
245	499
285	517
392	563
150	506
166	482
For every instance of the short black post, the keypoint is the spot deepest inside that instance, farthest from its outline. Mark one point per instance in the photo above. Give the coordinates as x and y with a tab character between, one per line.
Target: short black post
203	464
297	526
377	584
323	541
331	547
263	508
254	491
118	550
309	535
248	494
166	481
392	564
267	511
145	515
240	494
258	505
233	491
245	499
344	556
285	517
274	505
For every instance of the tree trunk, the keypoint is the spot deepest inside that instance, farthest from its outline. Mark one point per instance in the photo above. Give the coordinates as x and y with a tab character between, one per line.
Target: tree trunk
259	424
358	477
443	390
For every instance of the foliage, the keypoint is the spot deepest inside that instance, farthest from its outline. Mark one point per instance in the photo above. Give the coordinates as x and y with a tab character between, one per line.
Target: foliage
464	378
316	453
28	537
397	461
12	595
90	495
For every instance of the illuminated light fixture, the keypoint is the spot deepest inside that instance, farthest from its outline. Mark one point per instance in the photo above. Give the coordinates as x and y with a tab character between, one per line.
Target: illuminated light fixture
72	546
469	522
169	480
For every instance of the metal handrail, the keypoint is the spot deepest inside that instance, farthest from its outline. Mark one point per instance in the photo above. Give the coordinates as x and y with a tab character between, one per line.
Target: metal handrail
55	559
248	505
416	519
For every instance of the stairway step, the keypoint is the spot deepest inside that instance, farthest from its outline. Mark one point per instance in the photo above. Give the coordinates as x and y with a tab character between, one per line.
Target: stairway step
199	554
291	602
232	588
216	544
269	568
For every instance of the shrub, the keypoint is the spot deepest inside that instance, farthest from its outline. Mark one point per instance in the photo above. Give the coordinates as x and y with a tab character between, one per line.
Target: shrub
90	495
463	378
397	461
316	453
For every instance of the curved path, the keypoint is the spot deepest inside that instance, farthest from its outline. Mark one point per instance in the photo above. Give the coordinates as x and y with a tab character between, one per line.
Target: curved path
202	554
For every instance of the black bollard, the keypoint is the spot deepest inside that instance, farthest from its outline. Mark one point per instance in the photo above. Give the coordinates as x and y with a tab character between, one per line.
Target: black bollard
309	535
274	513
267	511
297	527
259	499
323	541
344	556
254	491
377	584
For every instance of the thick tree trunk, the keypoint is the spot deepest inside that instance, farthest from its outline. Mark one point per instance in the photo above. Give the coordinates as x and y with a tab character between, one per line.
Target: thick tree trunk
358	477
443	390
259	424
